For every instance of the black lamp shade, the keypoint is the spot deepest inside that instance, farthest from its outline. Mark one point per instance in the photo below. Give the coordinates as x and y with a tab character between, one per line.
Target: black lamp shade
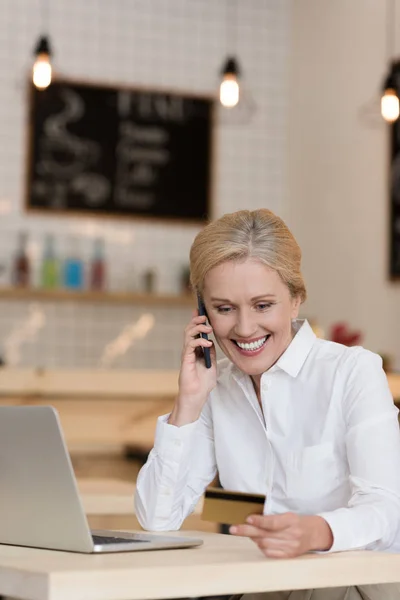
392	79
389	83
231	67
43	46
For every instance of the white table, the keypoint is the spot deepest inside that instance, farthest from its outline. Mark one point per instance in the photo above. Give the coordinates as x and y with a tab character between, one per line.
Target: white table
223	565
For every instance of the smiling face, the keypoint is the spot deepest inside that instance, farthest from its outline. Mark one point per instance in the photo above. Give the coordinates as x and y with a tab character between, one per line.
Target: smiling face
250	310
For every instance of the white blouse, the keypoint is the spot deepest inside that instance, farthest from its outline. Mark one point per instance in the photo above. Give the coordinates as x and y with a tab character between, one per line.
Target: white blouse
326	442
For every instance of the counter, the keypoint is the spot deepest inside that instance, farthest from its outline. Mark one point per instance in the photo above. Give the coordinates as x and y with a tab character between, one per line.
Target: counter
96	407
104	407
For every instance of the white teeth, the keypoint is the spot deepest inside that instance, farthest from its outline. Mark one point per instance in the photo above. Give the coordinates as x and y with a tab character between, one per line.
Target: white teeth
253	345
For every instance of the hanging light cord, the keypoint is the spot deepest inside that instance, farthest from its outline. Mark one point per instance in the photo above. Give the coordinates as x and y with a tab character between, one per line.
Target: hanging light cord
390	30
45	15
231	27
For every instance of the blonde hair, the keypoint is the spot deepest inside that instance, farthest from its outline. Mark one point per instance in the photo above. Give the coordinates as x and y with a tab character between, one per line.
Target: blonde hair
257	234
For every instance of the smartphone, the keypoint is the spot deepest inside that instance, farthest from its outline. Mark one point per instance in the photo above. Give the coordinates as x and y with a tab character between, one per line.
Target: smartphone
206	351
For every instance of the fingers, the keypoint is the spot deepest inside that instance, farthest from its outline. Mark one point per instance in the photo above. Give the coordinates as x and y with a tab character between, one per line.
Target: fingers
197	319
277	543
195	331
274	522
247	531
277	548
193	342
196	326
192	345
277	554
281	544
196	322
271	529
197	342
255	533
277	536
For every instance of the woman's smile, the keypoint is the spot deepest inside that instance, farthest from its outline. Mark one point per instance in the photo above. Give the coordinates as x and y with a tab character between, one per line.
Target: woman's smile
251	347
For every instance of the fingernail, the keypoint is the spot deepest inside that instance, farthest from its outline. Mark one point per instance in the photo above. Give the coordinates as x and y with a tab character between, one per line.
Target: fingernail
249	520
232	529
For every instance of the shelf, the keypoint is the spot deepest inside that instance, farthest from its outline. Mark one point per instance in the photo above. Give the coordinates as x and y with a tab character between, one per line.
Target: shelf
36	294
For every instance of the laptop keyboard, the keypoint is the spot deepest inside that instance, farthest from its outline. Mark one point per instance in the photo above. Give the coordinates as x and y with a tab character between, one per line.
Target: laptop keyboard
106	539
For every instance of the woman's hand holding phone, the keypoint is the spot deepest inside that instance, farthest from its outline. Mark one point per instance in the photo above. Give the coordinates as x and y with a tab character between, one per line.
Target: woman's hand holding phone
195	380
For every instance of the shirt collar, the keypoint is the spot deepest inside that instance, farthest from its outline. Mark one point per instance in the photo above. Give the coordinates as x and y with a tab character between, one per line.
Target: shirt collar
299	348
295	354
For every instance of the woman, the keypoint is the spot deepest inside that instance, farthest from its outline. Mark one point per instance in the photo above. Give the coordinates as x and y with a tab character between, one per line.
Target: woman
307	422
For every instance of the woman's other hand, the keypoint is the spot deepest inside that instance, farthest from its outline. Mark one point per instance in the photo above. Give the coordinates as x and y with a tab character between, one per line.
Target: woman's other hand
286	535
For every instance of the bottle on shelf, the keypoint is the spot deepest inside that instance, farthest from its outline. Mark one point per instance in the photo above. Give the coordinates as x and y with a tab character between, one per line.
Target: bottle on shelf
150	281
21	269
73	271
98	266
50	268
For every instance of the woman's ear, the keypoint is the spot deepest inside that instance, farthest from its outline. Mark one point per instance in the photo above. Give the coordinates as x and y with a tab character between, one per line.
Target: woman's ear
296	302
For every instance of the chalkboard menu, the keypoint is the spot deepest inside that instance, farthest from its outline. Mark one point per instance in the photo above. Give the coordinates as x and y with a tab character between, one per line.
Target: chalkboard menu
394	220
126	152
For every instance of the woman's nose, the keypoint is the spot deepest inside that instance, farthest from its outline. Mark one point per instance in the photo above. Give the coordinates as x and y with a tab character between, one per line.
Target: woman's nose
245	326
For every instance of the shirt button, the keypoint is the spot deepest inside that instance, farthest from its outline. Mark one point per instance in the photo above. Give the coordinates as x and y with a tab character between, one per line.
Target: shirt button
166	491
178	443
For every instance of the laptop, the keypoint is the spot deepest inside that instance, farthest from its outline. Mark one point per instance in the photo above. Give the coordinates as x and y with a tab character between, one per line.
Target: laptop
40	505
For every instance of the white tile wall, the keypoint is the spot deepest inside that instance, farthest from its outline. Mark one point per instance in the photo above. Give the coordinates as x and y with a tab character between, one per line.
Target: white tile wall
169	43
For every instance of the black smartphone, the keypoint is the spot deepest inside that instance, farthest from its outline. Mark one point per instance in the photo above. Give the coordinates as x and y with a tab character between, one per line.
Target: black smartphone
206	351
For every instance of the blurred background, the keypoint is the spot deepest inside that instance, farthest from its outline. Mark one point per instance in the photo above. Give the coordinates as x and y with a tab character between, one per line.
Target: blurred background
174	45
306	140
109	170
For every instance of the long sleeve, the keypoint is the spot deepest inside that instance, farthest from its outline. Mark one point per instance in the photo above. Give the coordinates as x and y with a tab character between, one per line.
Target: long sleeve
372	518
179	468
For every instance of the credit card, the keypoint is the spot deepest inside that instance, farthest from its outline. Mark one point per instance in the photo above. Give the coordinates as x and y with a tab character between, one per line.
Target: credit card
231	508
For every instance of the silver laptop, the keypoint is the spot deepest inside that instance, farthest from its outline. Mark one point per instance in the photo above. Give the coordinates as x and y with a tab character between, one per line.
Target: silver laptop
40	504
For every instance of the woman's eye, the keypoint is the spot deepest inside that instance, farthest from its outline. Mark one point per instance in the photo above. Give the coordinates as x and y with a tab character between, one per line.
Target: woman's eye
264	306
224	309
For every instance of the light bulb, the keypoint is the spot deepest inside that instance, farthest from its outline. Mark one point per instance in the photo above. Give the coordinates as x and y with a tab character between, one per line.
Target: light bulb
229	87
390	105
42	65
42	71
229	91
